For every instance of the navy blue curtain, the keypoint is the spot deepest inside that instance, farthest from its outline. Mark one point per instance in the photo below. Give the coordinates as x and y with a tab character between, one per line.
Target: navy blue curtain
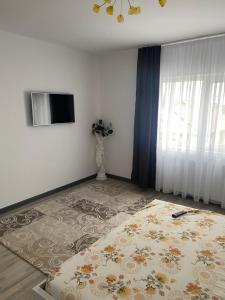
146	117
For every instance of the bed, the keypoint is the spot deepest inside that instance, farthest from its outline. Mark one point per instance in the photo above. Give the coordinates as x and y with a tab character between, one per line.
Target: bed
150	256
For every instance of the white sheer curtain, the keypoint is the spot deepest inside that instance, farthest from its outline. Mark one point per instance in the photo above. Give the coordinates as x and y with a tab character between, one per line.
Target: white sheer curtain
191	125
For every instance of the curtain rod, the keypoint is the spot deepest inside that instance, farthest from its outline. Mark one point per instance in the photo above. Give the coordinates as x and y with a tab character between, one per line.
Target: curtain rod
194	39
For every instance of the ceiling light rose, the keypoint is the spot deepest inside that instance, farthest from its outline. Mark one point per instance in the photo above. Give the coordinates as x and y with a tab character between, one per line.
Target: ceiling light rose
132	10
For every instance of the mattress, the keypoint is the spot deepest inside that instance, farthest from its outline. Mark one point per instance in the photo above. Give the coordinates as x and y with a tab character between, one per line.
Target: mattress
150	256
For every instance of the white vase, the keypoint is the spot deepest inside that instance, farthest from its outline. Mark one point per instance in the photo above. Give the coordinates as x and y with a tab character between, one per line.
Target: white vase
100	157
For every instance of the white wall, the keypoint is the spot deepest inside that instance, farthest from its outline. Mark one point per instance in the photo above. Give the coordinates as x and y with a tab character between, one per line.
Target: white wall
34	160
118	92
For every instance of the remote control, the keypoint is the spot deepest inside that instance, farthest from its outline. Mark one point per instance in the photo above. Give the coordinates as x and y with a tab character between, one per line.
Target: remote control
179	213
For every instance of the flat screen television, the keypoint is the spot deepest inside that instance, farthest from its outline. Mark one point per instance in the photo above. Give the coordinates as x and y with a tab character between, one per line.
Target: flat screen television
52	108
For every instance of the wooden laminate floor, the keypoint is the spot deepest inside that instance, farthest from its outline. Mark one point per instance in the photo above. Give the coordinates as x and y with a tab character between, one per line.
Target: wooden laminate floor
18	277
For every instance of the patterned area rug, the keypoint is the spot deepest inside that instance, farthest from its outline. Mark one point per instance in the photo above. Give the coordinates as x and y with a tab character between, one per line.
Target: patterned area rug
59	227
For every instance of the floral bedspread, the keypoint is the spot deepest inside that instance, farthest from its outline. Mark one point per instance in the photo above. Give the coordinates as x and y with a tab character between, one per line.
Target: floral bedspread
150	256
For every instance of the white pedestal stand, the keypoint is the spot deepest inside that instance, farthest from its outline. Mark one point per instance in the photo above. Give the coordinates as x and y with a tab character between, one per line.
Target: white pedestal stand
100	157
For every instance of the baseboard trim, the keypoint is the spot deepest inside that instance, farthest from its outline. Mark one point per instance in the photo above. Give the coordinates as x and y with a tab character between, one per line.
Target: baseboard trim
119	177
35	198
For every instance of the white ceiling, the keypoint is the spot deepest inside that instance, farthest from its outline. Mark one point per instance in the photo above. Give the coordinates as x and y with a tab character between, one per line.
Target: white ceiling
72	23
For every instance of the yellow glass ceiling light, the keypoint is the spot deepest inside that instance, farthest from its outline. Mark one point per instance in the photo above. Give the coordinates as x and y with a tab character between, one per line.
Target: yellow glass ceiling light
110	5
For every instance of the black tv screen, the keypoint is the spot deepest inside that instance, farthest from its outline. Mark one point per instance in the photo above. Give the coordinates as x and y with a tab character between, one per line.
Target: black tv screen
52	108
